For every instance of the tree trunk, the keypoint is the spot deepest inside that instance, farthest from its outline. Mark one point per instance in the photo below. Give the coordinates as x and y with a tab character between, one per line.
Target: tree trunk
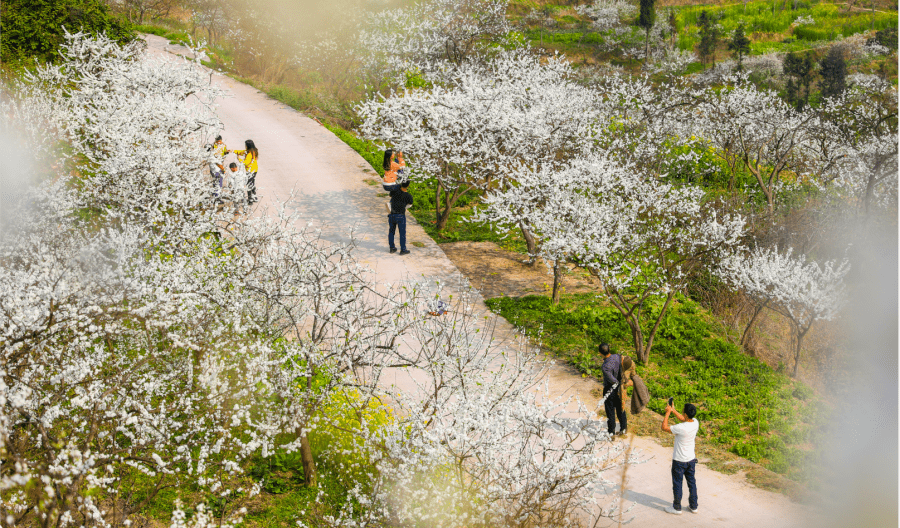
797	350
437	202
652	334
530	242
444	216
637	336
870	193
309	465
557	279
633	318
646	44
745	336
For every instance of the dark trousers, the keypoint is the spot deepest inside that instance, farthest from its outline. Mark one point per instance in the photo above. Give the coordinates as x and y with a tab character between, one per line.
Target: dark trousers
613	407
217	184
397	221
251	187
686	470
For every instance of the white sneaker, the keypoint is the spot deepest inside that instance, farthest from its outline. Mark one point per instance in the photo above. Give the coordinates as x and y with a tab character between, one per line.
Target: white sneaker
672	510
694	510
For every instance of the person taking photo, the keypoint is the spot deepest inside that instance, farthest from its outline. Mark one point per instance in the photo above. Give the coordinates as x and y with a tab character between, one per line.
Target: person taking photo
684	460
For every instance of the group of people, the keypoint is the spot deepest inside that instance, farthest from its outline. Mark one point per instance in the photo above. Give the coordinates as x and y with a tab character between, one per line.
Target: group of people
397	184
618	371
619	374
239	178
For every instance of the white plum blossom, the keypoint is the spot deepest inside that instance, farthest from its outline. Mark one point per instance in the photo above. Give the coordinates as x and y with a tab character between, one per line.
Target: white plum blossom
607	14
467	131
861	133
800	289
643	239
428	35
150	339
758	131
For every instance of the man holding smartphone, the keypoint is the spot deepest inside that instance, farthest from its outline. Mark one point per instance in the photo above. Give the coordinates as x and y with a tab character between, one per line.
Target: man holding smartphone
684	461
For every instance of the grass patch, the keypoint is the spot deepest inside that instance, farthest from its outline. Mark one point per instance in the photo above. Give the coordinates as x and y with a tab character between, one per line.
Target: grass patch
174	36
744	406
776	31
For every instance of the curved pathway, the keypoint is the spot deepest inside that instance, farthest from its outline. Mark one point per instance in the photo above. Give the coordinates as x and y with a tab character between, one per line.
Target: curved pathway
298	154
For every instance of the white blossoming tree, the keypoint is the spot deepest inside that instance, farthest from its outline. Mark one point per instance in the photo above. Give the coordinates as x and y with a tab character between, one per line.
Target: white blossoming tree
756	130
467	131
641	238
428	36
861	134
801	290
150	340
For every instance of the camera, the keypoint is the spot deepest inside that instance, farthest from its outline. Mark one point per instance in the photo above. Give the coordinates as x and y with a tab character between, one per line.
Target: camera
672	402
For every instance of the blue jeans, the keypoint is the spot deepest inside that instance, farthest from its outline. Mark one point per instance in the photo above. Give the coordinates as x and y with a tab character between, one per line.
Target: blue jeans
397	221
686	470
217	183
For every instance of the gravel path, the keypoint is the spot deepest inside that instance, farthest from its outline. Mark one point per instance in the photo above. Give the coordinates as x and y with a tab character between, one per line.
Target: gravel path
298	154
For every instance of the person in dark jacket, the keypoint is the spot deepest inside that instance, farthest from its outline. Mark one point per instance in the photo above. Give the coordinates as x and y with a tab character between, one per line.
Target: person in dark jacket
400	199
612	366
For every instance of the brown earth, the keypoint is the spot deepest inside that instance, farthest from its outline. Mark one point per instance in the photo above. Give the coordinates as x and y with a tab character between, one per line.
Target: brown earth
496	272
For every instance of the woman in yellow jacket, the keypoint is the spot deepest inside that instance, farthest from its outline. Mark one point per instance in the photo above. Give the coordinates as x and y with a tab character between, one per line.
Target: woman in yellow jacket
249	156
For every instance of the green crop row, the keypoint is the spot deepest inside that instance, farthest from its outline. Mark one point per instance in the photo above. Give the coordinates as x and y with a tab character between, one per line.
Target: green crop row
830	21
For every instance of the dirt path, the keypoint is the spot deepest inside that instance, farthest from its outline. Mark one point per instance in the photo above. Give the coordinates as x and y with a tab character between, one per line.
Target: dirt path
296	153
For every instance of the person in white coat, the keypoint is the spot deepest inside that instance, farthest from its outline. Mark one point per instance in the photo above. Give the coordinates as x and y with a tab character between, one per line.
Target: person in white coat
237	180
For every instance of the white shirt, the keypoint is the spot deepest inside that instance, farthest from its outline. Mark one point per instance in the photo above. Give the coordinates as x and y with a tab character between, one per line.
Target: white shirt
238	180
685	433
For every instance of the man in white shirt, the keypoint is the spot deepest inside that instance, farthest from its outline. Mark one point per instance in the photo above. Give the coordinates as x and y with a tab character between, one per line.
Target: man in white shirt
684	461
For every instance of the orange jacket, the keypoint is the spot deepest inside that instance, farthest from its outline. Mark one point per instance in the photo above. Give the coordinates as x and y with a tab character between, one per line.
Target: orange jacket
390	176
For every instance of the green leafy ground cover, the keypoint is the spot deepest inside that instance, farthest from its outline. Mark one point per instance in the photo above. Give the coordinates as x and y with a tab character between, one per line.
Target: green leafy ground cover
769	32
832	22
744	406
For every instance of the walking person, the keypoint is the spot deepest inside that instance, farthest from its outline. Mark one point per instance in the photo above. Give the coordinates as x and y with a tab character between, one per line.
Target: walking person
612	367
393	170
684	460
249	156
400	200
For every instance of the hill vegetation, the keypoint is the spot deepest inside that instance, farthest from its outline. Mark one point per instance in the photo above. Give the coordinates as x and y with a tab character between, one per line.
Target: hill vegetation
712	166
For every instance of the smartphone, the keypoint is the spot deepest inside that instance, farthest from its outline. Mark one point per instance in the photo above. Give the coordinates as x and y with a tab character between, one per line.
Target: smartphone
672	402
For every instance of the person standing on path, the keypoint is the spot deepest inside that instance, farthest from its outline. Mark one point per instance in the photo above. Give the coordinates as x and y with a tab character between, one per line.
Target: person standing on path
684	461
249	156
400	199
612	366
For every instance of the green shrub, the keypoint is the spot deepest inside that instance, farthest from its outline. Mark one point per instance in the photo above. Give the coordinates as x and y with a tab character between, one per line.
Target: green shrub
33	29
